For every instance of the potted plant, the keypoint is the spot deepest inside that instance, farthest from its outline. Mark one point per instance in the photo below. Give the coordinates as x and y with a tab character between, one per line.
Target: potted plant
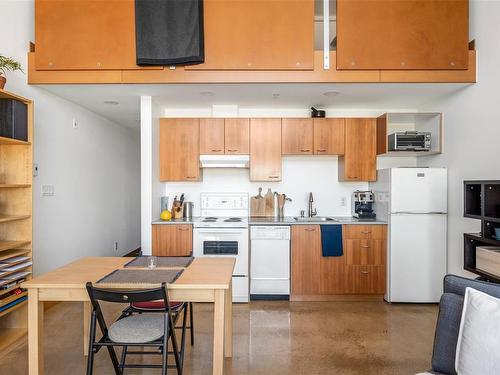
7	64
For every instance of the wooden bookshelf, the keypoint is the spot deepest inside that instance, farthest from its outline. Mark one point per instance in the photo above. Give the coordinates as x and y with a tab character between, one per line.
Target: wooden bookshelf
16	232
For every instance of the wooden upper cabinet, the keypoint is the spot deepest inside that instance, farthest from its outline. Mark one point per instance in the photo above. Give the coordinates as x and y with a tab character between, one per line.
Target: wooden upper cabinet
329	136
237	136
265	149
179	149
172	239
359	162
409	34
258	34
296	136
212	136
85	34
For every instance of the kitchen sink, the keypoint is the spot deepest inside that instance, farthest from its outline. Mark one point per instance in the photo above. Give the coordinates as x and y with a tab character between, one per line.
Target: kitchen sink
314	219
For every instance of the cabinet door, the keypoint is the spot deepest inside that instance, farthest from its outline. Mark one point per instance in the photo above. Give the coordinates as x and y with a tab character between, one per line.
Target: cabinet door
237	136
359	162
172	240
366	232
410	34
88	34
265	149
329	136
366	279
179	149
296	136
212	136
306	258
253	35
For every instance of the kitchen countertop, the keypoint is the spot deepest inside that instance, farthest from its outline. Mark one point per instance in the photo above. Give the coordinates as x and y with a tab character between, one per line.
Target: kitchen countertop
288	220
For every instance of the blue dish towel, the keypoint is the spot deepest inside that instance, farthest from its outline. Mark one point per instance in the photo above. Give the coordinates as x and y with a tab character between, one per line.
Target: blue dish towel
331	240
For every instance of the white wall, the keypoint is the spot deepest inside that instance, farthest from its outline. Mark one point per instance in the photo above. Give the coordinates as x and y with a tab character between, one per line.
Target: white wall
94	169
472	124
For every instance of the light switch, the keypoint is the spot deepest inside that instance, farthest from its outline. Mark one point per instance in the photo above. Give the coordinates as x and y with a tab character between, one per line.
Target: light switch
47	190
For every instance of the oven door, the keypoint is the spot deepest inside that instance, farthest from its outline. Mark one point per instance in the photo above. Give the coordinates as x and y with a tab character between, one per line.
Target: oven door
225	242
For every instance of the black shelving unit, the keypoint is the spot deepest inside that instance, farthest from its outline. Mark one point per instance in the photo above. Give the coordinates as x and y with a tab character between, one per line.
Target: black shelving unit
482	202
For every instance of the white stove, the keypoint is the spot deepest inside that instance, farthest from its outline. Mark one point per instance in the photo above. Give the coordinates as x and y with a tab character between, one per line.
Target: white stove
222	230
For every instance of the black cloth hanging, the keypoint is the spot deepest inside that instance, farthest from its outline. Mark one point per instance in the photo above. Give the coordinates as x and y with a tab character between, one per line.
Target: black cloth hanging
169	32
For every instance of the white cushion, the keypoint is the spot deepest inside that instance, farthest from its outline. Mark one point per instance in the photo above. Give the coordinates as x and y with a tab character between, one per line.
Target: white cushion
478	347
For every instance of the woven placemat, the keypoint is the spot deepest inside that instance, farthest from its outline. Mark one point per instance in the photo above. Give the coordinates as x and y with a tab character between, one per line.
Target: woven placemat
142	262
149	277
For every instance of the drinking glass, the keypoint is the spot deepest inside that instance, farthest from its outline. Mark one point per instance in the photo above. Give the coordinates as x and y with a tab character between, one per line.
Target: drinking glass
151	263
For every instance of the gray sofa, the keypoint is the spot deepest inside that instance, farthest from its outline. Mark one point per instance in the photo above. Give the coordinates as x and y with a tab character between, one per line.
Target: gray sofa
448	324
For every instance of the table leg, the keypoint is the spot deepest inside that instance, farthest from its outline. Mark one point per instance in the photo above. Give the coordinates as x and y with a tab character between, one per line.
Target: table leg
35	333
218	354
87	307
228	322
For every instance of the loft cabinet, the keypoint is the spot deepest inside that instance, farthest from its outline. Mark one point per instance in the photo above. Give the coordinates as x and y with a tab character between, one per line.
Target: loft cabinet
212	136
329	136
237	136
172	240
224	136
409	35
81	35
258	35
179	149
359	162
265	149
296	136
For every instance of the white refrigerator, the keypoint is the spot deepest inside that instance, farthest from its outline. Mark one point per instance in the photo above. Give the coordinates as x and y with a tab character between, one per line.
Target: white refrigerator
414	203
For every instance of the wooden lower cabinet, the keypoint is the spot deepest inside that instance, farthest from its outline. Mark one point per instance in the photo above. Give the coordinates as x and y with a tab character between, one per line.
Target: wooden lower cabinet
172	239
360	271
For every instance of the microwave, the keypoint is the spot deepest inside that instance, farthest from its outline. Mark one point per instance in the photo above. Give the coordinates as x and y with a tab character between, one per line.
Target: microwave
410	141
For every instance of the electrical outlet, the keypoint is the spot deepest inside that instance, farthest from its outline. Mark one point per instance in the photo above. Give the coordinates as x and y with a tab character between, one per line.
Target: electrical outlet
48	191
75	124
115	246
343	201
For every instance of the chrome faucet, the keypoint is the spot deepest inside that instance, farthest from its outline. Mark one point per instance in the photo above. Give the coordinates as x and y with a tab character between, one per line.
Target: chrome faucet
311	211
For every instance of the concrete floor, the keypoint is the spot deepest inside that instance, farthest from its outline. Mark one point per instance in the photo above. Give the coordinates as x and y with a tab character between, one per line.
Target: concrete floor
269	338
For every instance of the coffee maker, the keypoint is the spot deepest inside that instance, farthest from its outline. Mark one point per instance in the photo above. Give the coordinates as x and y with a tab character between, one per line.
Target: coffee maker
362	205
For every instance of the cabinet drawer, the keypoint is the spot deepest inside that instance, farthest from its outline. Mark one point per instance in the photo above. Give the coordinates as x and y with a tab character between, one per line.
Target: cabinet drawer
366	279
365	252
365	232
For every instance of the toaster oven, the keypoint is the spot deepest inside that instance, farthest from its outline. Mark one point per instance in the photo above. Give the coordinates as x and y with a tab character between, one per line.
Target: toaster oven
410	141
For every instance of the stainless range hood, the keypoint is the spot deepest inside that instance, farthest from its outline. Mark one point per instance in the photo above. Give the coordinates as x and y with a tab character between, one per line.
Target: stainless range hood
224	161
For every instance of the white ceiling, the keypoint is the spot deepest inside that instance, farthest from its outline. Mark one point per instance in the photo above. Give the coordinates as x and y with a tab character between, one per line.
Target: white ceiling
185	96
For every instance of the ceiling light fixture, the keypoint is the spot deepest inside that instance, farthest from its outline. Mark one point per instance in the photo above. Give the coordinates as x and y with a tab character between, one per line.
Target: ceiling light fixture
111	102
207	93
331	93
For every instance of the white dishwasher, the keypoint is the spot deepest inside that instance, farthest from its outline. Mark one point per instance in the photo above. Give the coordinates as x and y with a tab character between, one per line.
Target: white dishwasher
269	262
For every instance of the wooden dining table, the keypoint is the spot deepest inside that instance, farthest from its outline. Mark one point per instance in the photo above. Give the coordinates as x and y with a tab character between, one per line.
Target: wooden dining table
204	280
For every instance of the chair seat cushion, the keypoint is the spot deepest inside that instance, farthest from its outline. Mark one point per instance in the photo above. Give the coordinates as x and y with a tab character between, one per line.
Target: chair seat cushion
155	305
136	329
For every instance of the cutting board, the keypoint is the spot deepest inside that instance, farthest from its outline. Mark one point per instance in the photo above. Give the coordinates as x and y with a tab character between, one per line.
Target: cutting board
269	201
258	205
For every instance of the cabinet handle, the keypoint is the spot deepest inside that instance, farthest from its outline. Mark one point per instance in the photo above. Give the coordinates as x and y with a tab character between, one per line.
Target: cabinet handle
274	176
232	150
365	272
216	150
191	177
183	229
305	150
320	150
365	246
365	232
353	177
310	229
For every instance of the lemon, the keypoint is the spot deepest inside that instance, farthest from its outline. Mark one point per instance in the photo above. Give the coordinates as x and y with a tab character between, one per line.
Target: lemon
166	215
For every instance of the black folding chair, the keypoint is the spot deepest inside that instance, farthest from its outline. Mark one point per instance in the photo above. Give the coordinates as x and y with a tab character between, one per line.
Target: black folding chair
142	330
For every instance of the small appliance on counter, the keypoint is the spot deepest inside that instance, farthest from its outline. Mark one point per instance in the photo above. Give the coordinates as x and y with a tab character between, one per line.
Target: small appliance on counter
410	141
362	205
